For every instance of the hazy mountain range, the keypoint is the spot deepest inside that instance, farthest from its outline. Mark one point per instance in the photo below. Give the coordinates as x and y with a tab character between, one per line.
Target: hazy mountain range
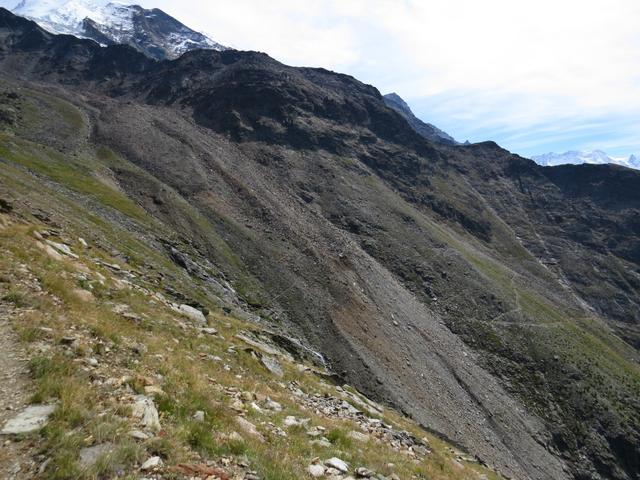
594	157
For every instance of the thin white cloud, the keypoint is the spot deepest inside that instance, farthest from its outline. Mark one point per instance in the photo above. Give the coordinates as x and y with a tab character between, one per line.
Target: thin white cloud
475	67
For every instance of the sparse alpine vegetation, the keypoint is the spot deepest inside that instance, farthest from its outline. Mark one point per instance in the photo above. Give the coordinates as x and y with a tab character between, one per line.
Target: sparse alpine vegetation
224	266
130	387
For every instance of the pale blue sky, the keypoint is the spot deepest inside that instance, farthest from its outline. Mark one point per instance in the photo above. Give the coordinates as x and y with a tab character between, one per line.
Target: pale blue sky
535	76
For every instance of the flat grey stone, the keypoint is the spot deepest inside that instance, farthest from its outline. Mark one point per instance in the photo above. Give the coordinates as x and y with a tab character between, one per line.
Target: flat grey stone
89	456
271	364
152	463
31	419
338	464
192	313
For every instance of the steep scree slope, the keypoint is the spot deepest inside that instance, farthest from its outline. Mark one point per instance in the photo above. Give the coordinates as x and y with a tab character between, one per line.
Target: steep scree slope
422	272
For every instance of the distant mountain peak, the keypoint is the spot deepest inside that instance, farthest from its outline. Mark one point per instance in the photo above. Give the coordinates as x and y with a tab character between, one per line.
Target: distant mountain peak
579	157
153	32
428	131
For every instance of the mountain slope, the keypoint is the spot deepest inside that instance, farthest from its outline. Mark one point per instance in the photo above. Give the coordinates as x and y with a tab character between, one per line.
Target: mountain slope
419	271
428	131
152	32
595	157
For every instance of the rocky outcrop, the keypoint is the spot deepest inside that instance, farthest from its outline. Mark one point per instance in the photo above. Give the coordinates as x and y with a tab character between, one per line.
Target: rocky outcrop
428	131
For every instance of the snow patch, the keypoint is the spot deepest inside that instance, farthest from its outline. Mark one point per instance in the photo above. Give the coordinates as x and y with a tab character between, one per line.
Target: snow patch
113	19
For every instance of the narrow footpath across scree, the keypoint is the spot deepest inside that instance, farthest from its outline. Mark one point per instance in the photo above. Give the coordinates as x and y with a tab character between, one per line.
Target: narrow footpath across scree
14	395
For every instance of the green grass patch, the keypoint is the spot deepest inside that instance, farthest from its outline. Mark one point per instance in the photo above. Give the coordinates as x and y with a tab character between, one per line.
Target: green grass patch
73	174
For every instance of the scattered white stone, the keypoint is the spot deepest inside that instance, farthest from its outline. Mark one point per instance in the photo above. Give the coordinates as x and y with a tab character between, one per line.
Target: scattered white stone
152	463
199	416
358	436
209	331
83	242
316	470
31	419
269	350
153	390
322	442
192	313
249	428
271	364
138	435
91	455
291	421
237	405
84	295
50	251
272	405
145	410
362	472
62	248
335	462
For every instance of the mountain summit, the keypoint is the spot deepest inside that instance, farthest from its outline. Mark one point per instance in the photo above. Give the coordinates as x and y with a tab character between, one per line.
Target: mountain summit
428	131
152	32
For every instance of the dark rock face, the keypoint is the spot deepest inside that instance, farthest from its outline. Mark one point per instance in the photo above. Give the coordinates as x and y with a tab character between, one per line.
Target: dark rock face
467	286
582	222
153	33
428	131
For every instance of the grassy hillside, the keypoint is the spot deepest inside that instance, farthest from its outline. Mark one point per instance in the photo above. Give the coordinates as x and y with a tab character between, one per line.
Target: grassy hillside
97	337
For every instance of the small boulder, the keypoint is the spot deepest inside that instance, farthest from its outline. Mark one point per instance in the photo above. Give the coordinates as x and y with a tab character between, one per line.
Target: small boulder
192	313
271	364
138	435
62	248
315	432
322	442
199	416
291	421
91	455
273	406
316	470
145	410
362	472
151	464
335	462
249	428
